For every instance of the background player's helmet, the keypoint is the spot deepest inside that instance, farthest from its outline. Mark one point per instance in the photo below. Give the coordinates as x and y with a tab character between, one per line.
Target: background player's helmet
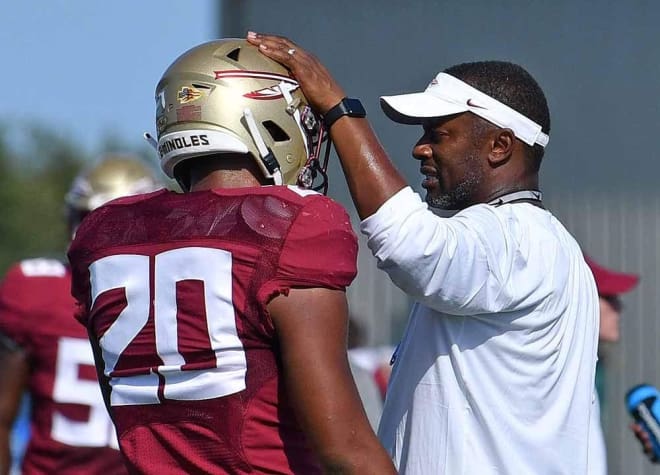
226	97
112	177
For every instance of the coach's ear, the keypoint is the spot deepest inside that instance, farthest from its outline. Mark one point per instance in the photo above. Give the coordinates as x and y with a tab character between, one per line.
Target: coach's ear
500	146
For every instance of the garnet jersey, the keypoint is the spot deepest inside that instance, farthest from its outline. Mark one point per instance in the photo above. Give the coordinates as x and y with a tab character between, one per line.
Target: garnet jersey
71	432
174	290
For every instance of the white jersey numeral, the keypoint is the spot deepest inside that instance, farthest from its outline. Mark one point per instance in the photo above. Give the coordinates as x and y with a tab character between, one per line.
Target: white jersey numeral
130	272
42	267
98	430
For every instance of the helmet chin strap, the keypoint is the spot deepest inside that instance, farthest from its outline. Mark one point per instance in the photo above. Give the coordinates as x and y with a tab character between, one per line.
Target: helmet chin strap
267	161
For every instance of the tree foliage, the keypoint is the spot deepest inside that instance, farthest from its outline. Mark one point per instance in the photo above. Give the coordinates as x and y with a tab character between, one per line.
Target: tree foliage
33	181
36	171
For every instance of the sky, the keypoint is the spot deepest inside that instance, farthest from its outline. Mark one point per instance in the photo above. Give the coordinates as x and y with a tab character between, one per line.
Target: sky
88	69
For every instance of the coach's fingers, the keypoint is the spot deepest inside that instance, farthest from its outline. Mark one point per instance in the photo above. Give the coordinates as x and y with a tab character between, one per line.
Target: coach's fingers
279	48
276	47
316	82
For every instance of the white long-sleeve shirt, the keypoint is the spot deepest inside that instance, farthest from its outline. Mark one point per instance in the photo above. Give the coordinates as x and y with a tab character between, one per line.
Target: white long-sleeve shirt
597	448
495	371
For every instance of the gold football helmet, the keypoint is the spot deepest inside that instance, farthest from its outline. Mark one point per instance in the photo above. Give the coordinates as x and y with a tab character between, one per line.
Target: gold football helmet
224	96
112	177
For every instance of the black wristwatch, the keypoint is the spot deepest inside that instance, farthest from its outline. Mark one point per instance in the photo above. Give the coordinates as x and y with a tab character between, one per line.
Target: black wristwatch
347	106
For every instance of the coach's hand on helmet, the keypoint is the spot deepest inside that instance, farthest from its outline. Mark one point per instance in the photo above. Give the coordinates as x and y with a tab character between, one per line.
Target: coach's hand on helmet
318	86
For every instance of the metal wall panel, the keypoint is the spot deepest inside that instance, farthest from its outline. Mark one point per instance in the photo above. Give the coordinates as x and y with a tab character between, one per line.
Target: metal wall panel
620	230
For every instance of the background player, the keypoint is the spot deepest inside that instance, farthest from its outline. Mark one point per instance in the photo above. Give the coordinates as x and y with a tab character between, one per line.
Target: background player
219	316
44	350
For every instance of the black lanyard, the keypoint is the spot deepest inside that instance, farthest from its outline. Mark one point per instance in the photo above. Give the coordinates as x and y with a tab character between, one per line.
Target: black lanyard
532	197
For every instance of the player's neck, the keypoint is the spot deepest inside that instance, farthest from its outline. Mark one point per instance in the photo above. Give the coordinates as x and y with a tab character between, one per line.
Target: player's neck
227	171
225	179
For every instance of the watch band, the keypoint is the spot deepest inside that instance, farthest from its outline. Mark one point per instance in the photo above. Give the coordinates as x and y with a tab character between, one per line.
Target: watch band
347	106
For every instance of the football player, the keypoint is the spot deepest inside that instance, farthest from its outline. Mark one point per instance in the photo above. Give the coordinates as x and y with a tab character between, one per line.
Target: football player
45	351
219	316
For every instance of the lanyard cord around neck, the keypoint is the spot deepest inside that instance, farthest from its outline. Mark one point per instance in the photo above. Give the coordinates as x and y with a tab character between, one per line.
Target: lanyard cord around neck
532	197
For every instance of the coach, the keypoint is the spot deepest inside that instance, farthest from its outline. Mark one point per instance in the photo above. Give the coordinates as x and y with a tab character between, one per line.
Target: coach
495	371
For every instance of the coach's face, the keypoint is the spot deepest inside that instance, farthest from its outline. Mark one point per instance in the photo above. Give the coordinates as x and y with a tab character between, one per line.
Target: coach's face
451	161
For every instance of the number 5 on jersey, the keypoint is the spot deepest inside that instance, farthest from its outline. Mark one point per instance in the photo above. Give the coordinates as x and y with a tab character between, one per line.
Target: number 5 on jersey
69	388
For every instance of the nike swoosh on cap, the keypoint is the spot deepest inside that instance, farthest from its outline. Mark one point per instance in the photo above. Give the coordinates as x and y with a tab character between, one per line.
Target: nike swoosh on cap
471	104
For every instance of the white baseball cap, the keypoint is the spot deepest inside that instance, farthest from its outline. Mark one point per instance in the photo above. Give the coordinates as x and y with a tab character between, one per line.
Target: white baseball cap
447	95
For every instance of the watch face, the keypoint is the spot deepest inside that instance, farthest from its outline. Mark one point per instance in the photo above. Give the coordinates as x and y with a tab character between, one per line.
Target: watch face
354	107
347	106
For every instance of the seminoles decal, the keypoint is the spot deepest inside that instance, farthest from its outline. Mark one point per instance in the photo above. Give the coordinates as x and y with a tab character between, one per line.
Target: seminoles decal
188	94
267	93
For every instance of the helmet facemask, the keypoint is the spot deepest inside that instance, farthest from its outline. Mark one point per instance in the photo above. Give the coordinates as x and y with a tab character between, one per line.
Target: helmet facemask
312	126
